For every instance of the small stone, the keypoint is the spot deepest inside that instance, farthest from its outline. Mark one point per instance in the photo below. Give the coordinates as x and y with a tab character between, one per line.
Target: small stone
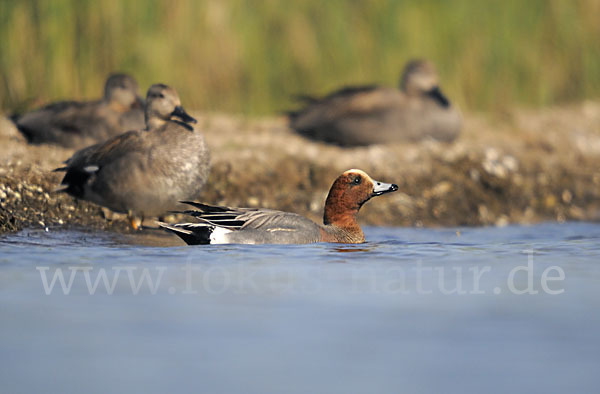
315	206
483	212
550	201
502	221
441	189
567	196
494	168
491	154
488	166
500	171
510	163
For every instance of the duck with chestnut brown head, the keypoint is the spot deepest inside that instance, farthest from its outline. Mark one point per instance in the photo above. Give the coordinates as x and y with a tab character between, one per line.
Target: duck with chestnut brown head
348	193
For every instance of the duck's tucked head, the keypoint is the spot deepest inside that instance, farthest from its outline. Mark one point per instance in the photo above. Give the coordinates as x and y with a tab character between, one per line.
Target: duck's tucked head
121	91
420	78
348	193
163	105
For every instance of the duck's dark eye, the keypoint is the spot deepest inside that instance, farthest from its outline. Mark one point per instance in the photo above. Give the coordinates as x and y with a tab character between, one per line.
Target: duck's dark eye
161	95
357	180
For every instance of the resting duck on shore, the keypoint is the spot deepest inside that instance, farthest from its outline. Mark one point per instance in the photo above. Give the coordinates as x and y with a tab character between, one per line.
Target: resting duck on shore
366	115
221	225
75	124
143	172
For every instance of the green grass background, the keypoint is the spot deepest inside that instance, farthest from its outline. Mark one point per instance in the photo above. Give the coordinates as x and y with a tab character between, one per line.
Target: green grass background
251	56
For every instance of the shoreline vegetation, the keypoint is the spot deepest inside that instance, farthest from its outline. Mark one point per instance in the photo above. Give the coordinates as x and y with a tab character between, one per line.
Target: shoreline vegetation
517	166
252	57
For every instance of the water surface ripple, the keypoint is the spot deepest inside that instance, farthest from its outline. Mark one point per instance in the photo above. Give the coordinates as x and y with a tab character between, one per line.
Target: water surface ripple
412	310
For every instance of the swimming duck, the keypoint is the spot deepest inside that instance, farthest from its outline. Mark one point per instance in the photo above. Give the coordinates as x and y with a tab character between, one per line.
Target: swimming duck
221	225
366	115
143	172
76	124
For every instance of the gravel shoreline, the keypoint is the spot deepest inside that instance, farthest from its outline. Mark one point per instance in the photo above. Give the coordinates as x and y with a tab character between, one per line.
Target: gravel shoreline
522	166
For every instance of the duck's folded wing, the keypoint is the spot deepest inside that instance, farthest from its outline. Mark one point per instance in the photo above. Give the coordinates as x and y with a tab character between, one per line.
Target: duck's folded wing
73	117
349	91
249	218
60	106
218	224
348	104
217	215
98	154
87	161
46	124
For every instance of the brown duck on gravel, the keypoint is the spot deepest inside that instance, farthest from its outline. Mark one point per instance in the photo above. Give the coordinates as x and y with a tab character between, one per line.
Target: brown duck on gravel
365	115
143	172
75	124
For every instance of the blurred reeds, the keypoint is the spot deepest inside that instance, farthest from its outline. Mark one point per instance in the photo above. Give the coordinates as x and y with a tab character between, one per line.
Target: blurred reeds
251	56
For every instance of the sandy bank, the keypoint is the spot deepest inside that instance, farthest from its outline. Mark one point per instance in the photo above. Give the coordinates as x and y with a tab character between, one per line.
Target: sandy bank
522	166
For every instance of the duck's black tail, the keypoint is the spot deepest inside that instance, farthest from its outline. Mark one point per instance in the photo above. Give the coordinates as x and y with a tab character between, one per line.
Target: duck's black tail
14	117
190	233
75	179
27	132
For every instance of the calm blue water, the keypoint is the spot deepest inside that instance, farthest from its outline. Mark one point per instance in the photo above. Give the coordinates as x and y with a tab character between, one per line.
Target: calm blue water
373	318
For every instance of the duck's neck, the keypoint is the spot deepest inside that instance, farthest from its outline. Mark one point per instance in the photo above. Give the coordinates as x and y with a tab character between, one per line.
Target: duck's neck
333	233
118	107
154	123
343	218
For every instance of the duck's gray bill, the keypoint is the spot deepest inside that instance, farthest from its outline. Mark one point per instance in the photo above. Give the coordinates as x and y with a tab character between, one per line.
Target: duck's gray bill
436	94
380	188
180	113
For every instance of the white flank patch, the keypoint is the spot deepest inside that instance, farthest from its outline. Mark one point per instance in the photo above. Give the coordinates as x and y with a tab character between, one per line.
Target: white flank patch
91	169
218	236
